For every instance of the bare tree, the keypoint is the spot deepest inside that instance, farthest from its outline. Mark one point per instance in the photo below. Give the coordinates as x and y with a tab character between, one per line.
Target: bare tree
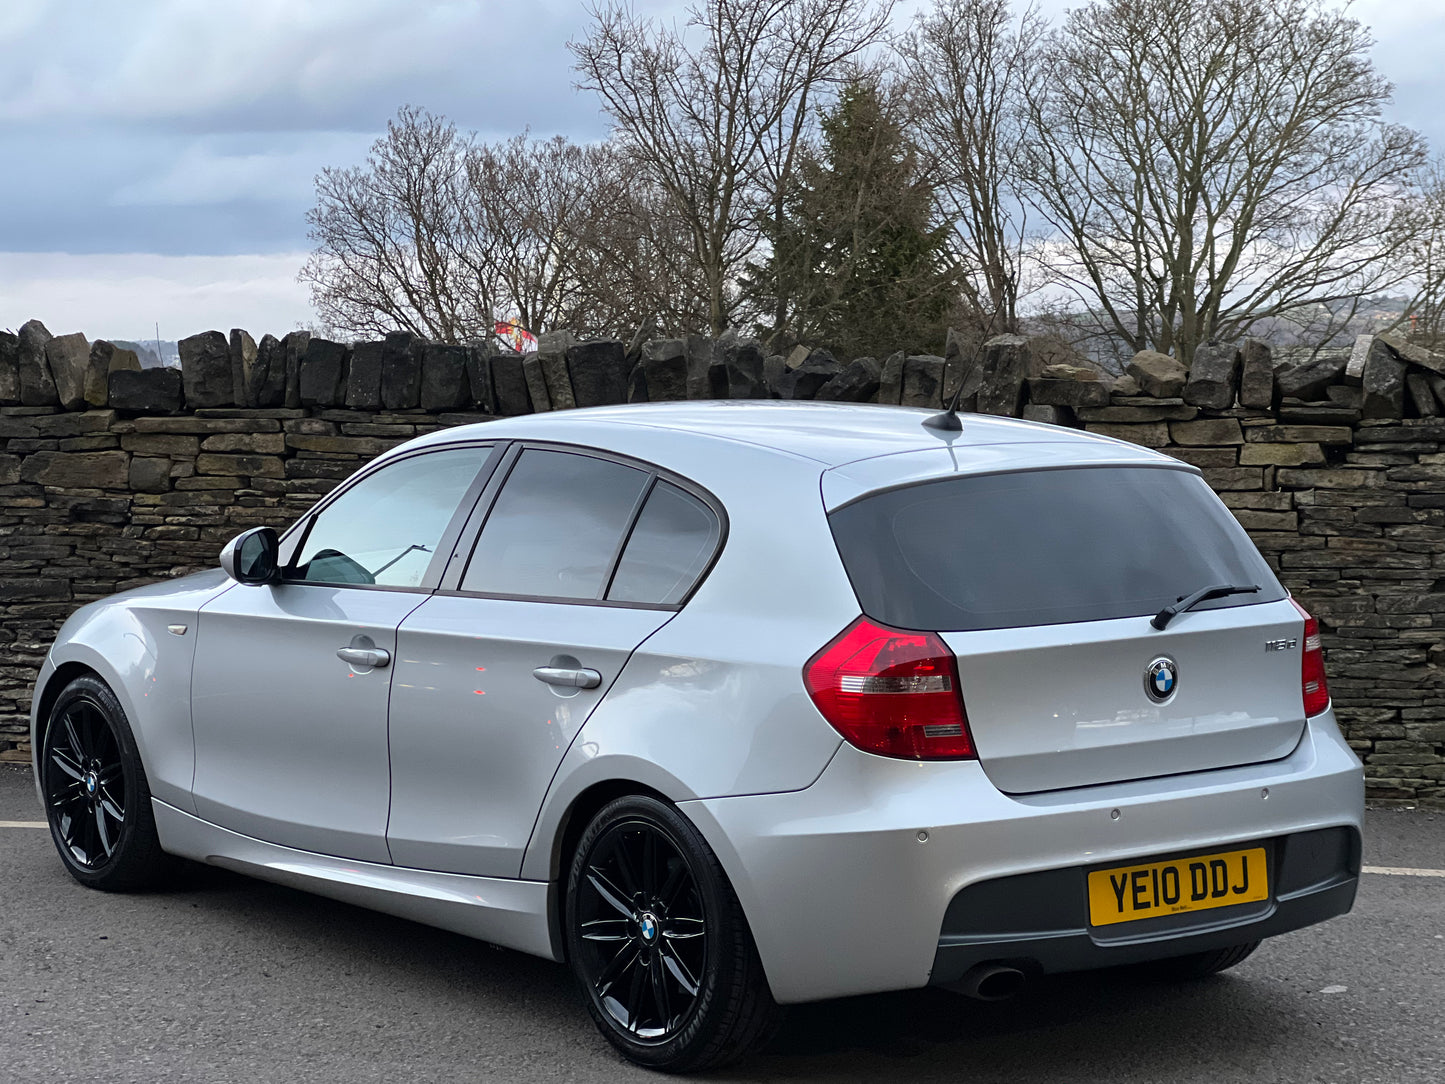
532	207
966	63
1427	309
439	235
714	112
636	263
578	240
1211	163
387	255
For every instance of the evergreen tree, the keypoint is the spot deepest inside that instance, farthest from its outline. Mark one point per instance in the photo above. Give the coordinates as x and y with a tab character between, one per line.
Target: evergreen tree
860	262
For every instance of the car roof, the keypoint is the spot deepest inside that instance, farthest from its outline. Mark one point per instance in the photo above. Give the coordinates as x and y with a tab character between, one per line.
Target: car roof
830	434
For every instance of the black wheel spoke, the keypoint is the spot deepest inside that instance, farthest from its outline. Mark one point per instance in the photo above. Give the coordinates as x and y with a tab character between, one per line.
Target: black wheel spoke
676	878
66	795
679	970
608	891
615	970
634	997
660	996
107	804
103	832
73	734
681	929
85	830
606	929
66	765
626	876
649	864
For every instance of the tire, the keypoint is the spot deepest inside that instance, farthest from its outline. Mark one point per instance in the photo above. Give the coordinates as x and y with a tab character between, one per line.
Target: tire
1201	965
659	945
97	800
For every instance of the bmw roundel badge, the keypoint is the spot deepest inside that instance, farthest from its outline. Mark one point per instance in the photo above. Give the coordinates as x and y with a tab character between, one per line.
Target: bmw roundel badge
1161	678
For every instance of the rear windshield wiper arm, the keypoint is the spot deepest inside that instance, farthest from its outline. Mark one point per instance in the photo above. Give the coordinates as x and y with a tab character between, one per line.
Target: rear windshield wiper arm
1188	602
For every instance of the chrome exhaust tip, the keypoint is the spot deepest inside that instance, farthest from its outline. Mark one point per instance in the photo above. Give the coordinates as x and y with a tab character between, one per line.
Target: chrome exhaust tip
991	982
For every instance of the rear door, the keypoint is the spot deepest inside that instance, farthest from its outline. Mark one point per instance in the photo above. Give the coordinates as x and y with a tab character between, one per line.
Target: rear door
1043	583
581	557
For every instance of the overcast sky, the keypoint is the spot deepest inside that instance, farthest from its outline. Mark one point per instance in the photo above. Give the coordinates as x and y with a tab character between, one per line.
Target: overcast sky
157	156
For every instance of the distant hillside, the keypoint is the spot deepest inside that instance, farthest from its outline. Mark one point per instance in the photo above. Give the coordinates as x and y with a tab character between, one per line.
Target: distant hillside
170	354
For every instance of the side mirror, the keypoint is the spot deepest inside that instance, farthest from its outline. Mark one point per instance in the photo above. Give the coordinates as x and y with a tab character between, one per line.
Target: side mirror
250	557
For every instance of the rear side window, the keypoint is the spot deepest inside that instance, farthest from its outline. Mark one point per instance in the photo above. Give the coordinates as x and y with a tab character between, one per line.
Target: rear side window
556	527
1043	548
668	550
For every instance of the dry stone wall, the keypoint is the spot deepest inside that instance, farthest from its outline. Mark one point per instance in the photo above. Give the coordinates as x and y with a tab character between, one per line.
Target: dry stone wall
112	476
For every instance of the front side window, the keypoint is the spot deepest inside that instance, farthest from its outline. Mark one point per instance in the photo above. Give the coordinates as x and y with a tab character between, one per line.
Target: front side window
384	529
556	527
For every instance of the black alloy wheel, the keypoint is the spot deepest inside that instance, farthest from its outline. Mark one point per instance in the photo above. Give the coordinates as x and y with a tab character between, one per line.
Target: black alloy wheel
658	942
644	937
97	800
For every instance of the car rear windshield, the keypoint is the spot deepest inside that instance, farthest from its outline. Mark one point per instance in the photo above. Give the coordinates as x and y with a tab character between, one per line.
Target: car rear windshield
1043	548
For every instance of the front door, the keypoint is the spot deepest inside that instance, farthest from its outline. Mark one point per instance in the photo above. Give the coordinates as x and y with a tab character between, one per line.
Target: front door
292	680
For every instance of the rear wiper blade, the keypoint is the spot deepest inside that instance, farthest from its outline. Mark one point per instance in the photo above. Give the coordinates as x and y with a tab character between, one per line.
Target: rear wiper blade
1188	602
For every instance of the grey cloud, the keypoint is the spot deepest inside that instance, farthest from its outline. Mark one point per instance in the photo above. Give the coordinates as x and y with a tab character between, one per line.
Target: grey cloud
189	126
88	190
196	126
288	65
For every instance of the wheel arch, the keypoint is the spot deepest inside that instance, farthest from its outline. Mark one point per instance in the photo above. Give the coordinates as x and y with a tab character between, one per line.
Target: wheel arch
49	693
585	782
573	822
120	646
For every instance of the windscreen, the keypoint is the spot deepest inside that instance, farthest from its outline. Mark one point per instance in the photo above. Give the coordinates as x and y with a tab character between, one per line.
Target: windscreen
1043	548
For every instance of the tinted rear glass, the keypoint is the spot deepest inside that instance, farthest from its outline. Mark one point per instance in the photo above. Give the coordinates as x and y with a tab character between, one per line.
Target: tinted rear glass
670	547
1043	548
556	527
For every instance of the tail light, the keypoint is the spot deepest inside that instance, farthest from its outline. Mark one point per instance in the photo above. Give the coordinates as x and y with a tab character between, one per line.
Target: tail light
1312	667
891	692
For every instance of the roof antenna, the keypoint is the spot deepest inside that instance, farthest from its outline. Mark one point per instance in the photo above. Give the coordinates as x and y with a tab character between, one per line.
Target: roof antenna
947	422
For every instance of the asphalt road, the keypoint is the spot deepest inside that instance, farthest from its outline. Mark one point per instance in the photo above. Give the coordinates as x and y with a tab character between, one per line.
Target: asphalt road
229	979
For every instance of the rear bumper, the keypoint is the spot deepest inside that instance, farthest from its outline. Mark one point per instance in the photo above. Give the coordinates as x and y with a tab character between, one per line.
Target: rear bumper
852	885
1038	922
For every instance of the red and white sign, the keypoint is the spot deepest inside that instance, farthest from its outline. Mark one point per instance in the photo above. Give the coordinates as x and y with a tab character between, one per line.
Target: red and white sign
515	336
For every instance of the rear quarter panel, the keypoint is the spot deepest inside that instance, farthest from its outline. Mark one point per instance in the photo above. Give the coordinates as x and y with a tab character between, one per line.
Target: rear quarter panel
713	703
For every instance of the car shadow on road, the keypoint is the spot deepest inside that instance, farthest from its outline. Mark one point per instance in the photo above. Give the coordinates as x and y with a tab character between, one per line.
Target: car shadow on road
1099	1026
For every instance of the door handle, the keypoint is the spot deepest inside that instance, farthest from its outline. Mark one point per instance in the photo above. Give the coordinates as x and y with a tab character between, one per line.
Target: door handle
363	656
568	678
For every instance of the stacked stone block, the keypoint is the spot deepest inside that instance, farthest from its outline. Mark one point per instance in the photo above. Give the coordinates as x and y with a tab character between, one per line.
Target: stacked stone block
112	476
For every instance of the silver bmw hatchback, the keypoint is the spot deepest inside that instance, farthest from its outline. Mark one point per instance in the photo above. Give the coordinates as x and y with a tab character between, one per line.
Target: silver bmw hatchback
733	705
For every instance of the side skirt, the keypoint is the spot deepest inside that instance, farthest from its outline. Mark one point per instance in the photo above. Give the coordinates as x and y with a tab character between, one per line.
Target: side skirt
504	912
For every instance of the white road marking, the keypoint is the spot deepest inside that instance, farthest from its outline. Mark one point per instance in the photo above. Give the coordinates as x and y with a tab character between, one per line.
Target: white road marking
23	824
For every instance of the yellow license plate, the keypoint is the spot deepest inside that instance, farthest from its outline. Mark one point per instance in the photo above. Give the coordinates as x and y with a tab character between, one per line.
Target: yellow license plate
1131	893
